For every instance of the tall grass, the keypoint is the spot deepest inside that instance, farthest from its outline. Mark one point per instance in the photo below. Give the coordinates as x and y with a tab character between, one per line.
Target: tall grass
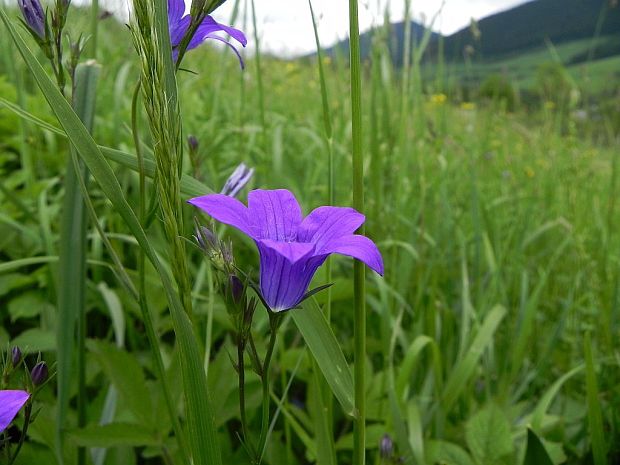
498	311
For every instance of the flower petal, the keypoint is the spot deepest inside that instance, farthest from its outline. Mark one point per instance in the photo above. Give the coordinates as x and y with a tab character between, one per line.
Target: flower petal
176	10
10	403
326	224
286	270
228	44
226	210
359	247
177	29
275	214
210	25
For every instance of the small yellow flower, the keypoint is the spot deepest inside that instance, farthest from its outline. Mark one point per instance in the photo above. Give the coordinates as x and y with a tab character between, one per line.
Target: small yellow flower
438	99
549	105
529	172
468	106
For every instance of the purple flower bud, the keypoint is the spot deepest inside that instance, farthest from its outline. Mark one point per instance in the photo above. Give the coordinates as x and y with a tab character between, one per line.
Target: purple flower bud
39	373
236	288
16	356
206	239
34	16
192	143
386	447
237	180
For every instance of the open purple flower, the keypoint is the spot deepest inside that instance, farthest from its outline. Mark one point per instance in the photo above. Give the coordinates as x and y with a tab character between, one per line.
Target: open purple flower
291	247
10	404
178	23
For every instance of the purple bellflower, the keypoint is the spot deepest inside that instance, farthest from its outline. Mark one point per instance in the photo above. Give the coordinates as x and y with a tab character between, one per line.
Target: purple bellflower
291	247
10	404
179	22
34	16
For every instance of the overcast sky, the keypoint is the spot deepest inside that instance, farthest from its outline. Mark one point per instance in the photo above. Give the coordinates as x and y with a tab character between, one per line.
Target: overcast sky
285	27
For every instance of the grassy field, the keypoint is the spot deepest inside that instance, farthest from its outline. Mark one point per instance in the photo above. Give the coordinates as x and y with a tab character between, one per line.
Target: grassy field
498	312
521	68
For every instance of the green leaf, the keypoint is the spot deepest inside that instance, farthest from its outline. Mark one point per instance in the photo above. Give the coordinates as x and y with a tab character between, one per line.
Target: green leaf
35	340
126	374
26	305
326	351
465	368
190	186
535	454
488	436
446	453
595	415
113	435
13	281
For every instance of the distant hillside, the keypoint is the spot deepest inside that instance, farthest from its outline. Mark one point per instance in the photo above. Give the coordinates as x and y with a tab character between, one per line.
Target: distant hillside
396	40
511	32
531	24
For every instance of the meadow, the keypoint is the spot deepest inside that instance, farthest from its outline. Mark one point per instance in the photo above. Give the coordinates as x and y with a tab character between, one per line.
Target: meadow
490	339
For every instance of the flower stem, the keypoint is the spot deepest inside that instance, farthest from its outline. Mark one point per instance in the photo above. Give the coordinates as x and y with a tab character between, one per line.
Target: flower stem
359	436
241	372
27	413
274	323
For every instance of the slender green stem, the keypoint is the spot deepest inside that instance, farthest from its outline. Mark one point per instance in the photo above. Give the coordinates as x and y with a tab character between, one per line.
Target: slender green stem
94	27
242	411
359	436
274	323
27	413
259	80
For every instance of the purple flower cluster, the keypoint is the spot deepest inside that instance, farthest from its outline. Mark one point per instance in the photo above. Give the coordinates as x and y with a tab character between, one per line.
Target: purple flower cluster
179	22
291	247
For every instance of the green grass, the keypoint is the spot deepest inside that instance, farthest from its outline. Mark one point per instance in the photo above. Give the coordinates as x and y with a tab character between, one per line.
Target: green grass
498	231
521	68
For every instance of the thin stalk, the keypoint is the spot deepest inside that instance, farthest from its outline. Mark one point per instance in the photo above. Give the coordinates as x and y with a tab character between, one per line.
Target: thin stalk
72	268
94	27
259	80
27	413
359	433
274	323
242	411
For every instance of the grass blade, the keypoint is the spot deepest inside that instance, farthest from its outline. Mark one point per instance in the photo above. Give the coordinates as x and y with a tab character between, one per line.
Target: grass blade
200	418
595	415
326	351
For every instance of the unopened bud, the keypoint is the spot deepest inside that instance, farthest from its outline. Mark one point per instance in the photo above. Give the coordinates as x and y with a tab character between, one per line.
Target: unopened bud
16	356
192	143
236	288
386	447
34	17
237	180
39	373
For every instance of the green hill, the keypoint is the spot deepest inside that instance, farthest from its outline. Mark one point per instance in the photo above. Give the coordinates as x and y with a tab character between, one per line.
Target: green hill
533	24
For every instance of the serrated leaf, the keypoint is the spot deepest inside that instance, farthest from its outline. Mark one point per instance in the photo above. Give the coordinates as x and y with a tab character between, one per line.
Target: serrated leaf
488	436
